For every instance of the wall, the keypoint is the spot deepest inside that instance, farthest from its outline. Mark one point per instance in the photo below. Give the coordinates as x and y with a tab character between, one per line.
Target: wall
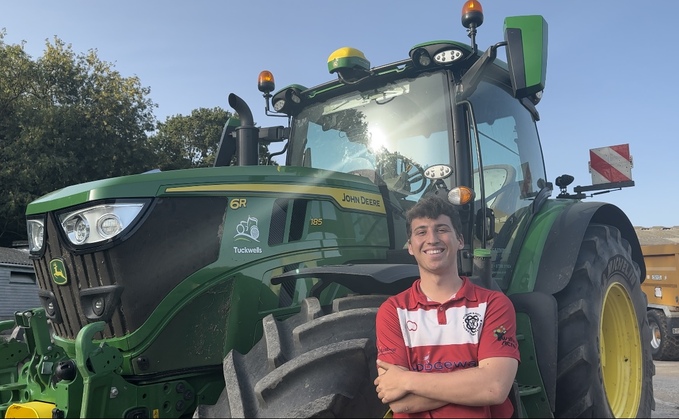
18	288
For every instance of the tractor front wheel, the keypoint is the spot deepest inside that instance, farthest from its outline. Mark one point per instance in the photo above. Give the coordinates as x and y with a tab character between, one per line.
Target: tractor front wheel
604	365
317	363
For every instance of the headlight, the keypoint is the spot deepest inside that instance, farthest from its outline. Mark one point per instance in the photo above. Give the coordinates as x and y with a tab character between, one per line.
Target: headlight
99	223
36	234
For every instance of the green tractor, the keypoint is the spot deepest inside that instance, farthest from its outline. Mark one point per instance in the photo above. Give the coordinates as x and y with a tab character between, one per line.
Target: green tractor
251	290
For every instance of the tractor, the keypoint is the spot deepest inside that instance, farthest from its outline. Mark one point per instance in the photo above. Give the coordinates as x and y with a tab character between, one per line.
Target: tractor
250	290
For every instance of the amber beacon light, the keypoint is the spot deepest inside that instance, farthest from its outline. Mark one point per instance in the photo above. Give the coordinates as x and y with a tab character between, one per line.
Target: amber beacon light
472	14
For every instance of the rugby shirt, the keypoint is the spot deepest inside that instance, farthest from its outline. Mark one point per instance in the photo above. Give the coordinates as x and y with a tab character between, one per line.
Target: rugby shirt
425	336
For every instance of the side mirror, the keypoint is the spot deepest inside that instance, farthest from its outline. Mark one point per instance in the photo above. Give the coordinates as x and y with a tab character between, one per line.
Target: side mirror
526	38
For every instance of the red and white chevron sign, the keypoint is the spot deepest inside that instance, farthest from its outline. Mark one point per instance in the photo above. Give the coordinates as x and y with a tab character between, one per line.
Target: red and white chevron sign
610	164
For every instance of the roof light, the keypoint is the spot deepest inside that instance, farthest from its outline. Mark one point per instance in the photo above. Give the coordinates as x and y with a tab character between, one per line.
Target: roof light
536	97
265	82
438	52
278	105
461	195
288	99
448	56
421	57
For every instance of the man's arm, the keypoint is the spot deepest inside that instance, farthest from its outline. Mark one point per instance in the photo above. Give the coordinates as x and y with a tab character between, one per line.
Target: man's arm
410	403
391	349
485	385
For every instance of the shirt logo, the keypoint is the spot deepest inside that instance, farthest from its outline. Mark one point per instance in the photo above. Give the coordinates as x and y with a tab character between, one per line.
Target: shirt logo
442	365
472	323
500	332
411	325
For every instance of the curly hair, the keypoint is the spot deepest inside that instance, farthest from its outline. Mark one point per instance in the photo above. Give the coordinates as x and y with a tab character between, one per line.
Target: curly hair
432	207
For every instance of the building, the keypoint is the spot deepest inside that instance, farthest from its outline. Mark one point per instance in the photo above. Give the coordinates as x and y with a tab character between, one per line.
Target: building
18	288
657	235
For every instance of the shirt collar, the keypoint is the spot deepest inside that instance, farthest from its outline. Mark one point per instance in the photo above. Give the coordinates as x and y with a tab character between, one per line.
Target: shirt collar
417	297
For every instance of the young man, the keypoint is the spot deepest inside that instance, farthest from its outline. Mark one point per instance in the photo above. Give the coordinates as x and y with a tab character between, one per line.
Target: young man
446	347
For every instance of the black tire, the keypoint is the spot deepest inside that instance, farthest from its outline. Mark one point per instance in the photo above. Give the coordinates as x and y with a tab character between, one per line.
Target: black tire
313	364
604	367
664	346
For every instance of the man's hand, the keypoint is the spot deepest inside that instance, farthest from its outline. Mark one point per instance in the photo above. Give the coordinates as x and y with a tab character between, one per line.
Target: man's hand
390	382
388	390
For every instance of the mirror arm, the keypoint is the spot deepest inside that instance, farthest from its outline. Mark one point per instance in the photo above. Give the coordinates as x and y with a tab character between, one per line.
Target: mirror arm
470	79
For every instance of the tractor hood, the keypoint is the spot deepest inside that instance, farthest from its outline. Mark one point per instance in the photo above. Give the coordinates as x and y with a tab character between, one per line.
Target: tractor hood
294	180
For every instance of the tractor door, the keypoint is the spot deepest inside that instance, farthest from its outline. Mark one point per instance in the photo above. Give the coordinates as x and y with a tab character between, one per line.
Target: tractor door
508	171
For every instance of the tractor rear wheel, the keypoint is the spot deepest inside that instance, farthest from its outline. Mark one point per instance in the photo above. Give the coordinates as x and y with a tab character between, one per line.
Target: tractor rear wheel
664	346
317	363
604	365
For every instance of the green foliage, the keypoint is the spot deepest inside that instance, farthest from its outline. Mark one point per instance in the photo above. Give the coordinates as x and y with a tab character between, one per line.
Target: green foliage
68	118
65	118
183	142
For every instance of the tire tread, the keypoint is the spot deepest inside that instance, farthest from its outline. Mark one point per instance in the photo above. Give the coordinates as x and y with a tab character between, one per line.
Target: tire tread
580	391
316	363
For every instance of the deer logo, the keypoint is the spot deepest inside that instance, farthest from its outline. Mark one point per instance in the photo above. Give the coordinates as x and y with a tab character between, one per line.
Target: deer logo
58	271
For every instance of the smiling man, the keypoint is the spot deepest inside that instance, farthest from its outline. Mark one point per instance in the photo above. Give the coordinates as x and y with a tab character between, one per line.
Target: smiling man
446	347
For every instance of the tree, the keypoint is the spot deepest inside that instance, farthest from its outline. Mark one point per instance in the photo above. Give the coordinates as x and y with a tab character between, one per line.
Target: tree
183	142
65	118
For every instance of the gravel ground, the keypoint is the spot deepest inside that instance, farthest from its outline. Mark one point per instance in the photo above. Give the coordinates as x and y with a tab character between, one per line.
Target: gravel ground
666	389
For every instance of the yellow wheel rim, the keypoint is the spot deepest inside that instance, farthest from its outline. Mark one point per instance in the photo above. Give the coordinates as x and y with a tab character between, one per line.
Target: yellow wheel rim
621	352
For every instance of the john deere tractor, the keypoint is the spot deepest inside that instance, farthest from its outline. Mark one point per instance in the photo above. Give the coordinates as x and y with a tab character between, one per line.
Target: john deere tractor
250	290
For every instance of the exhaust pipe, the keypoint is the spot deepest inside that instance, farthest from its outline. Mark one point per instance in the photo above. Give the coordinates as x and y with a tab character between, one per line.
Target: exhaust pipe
247	134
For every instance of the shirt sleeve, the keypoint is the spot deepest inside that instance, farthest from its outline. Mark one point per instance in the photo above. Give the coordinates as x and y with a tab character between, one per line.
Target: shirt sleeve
498	336
390	343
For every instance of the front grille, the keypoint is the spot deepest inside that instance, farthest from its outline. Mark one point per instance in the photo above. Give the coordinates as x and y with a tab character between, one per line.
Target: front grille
178	237
84	271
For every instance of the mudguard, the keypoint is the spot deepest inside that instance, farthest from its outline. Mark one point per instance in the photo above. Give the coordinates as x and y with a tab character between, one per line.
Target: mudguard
565	237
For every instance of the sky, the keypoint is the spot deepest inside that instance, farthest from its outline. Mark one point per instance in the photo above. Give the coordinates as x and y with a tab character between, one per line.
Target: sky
610	73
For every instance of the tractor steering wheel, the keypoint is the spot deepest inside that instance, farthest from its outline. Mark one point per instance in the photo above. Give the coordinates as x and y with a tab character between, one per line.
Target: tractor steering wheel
412	175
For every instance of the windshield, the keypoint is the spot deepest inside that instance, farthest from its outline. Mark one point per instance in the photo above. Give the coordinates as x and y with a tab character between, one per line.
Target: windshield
392	133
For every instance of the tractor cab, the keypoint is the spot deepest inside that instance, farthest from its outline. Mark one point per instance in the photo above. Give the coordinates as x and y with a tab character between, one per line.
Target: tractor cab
449	120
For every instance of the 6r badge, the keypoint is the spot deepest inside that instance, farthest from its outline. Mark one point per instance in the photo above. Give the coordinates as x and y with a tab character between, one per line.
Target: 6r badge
58	272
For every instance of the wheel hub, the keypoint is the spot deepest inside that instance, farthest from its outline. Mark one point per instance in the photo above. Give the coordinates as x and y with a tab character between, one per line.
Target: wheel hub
621	353
656	337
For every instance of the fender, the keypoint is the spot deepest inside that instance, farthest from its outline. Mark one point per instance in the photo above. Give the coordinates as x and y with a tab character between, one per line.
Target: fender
565	238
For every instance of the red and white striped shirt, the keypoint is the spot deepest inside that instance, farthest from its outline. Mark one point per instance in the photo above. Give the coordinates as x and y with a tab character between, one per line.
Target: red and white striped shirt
426	336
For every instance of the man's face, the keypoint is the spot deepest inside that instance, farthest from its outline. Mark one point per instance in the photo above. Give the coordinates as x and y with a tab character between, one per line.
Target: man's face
434	244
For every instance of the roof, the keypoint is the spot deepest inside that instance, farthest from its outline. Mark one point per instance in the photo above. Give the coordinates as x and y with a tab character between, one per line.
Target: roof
9	256
657	235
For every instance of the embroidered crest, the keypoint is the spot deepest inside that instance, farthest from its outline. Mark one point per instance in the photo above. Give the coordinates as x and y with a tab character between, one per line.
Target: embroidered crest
472	323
